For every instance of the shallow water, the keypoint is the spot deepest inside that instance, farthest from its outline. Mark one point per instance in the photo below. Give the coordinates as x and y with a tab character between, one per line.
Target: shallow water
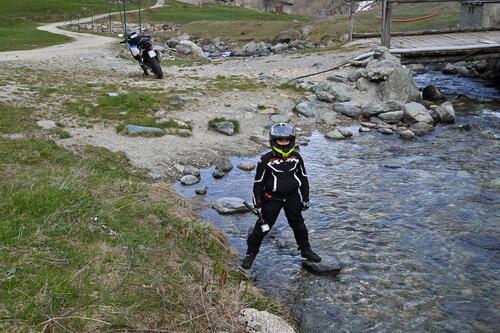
414	223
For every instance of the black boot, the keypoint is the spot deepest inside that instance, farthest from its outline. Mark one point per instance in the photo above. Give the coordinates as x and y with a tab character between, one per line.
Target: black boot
309	254
248	261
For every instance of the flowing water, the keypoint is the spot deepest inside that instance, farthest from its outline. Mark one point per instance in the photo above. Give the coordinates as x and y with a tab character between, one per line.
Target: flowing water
415	224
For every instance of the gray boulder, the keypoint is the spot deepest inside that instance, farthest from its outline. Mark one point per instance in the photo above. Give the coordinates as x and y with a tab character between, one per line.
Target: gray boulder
391	117
279	47
379	70
421	128
225	127
328	265
335	134
446	112
218	173
143	130
188	47
354	75
416	112
230	205
370	87
249	48
345	132
288	36
263	322
325	97
224	164
189	180
339	91
385	130
308	109
350	109
191	170
374	108
433	94
400	86
246	166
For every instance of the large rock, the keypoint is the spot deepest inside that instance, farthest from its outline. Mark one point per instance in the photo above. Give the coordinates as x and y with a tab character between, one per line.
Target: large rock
372	88
189	180
308	109
225	127
246	166
224	164
218	173
191	170
279	47
446	112
249	48
374	108
263	322
415	113
380	70
325	97
400	86
340	91
288	36
335	134
350	109
327	265
433	94
421	128
143	130
391	117
188	47
230	205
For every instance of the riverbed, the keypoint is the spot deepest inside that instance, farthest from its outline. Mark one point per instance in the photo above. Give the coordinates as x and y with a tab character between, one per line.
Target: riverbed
415	225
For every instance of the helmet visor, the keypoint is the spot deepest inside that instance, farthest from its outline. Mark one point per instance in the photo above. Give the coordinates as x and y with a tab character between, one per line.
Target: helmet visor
282	131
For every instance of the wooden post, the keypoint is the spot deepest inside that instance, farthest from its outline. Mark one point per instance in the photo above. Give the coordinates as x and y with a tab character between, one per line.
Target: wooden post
109	19
386	23
125	32
351	21
140	18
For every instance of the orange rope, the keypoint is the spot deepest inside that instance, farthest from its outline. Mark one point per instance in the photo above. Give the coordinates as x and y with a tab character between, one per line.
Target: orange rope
420	18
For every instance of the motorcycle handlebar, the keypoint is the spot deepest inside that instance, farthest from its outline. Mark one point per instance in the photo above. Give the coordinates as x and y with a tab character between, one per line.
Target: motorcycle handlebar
251	208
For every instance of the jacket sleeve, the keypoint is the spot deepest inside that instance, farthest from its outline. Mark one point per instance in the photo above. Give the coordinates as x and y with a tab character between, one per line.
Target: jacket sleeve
258	185
304	188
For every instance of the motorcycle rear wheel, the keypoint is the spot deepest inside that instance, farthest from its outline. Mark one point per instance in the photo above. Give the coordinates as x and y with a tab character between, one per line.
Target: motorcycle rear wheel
156	68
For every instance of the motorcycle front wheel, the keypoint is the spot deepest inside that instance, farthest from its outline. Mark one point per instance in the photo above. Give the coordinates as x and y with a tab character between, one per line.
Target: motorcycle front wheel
155	67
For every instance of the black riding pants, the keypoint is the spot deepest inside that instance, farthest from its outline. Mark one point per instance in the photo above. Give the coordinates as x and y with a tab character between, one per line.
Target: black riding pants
271	208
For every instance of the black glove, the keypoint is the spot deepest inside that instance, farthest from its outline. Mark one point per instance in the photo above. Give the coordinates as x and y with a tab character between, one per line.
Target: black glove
305	205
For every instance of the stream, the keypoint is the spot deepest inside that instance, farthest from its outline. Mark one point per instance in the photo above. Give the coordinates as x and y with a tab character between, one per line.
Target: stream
415	224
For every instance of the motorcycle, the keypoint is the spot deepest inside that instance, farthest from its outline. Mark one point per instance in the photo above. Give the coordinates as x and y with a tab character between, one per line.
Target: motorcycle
142	50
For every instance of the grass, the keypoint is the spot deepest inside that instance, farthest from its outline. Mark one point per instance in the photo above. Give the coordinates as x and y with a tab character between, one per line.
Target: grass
88	244
178	12
19	19
214	121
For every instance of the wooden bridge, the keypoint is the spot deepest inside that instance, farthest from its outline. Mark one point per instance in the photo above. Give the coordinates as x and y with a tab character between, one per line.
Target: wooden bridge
470	42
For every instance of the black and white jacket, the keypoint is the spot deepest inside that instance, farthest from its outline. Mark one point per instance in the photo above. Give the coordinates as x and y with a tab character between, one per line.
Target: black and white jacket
280	177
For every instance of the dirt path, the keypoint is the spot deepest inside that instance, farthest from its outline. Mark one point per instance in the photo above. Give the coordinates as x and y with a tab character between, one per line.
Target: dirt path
83	44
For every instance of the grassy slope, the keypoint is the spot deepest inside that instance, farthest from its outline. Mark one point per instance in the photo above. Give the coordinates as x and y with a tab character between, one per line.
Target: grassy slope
19	19
87	243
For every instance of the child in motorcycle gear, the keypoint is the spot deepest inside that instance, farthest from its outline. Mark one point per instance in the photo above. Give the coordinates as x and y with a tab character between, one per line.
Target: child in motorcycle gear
280	183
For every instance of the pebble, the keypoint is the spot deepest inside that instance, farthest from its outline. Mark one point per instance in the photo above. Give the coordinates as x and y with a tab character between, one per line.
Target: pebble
201	190
218	173
246	166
